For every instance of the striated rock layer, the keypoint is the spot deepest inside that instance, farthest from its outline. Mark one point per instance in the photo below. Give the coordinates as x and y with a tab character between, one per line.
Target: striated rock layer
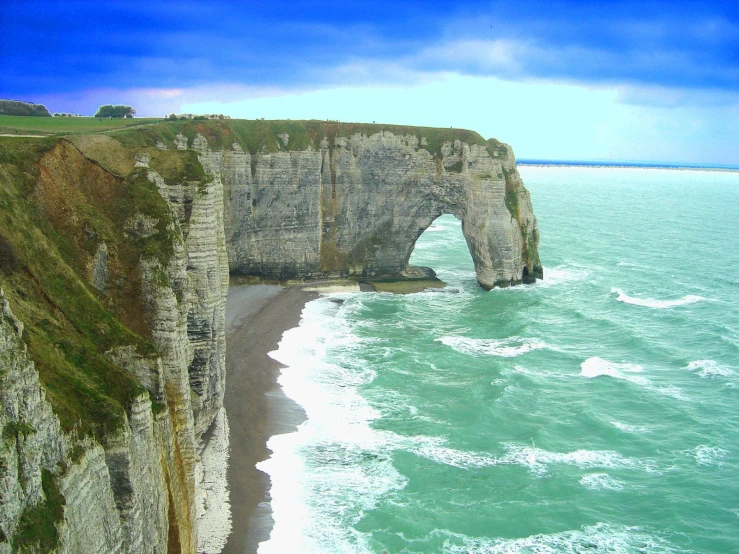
355	207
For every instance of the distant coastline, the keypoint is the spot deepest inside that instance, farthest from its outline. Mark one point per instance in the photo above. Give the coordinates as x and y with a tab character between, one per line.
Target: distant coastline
627	165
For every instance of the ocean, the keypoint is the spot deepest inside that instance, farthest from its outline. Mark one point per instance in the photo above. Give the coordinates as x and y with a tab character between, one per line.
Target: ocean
595	411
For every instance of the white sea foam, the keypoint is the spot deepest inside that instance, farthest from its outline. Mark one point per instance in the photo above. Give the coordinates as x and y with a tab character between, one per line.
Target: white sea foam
522	370
213	507
335	466
709	455
507	348
600	538
601	481
709	368
595	367
538	460
562	274
456	458
553	276
672	391
535	459
627	427
436	228
658	304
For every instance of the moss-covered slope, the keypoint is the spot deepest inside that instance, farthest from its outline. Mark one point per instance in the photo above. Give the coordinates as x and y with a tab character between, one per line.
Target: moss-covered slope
57	207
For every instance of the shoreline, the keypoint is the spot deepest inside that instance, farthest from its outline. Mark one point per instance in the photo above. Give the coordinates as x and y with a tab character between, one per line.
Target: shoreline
256	318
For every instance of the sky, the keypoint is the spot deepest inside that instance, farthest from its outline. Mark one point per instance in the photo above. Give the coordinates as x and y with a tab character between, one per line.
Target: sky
560	80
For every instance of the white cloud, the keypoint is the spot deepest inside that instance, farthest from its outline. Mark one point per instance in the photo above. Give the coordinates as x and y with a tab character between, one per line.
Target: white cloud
539	119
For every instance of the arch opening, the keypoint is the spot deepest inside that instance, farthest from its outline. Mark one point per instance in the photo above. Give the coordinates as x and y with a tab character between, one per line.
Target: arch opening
442	248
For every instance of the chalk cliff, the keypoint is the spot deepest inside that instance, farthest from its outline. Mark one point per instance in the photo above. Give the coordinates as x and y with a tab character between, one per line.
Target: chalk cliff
117	473
355	206
114	267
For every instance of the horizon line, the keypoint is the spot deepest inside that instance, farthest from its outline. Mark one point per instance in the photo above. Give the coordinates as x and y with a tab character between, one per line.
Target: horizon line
625	163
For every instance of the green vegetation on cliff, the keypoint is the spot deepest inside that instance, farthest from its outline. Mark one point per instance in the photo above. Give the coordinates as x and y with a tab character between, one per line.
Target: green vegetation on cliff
56	207
264	135
37	531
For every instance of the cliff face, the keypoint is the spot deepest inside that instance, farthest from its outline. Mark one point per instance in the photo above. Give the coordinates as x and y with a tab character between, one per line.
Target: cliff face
114	266
355	207
115	471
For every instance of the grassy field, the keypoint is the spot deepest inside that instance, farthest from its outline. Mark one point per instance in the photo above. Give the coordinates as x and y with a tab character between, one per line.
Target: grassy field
23	125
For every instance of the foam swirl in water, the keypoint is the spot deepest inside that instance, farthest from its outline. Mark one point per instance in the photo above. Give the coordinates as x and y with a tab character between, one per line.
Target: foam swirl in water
601	481
709	368
506	348
600	538
658	304
595	367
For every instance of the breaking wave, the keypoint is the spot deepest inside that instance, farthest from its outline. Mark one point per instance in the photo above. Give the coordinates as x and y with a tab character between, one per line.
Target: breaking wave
595	367
709	368
600	538
601	481
658	304
506	348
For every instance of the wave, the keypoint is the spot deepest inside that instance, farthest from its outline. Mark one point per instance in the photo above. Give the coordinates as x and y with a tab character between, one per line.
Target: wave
595	367
708	455
335	466
563	274
600	538
453	457
628	428
506	348
709	368
535	459
601	481
436	228
553	276
538	460
657	304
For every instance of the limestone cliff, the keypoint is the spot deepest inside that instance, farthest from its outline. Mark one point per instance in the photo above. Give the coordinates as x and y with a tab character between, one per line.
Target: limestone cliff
108	462
114	267
355	205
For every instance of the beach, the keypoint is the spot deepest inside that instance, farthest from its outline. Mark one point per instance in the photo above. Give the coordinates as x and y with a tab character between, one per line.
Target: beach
256	318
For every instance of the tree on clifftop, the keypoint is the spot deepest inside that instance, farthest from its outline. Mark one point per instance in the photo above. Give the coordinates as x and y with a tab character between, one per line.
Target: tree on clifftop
115	111
17	107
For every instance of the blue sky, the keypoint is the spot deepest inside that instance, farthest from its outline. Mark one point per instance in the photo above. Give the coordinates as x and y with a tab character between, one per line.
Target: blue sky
642	81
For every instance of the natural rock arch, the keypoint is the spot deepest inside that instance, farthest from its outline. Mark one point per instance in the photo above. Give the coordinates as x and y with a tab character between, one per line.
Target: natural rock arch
354	207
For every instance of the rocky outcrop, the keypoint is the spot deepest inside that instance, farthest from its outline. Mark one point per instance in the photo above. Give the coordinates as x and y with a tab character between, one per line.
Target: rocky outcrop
32	441
355	206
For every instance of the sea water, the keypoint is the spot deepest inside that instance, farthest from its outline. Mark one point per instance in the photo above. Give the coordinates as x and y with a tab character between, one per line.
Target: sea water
595	411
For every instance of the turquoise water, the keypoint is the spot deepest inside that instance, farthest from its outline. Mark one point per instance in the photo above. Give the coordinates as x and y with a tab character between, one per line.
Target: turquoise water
596	411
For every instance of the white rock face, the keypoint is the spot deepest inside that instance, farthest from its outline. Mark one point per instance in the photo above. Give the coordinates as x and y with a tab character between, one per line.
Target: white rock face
356	208
32	440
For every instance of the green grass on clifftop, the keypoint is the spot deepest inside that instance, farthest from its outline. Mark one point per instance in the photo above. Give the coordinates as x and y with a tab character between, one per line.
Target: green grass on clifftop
263	135
21	125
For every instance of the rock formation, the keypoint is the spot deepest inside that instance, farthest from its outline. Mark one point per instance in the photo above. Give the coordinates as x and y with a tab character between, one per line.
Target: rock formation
355	207
115	254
